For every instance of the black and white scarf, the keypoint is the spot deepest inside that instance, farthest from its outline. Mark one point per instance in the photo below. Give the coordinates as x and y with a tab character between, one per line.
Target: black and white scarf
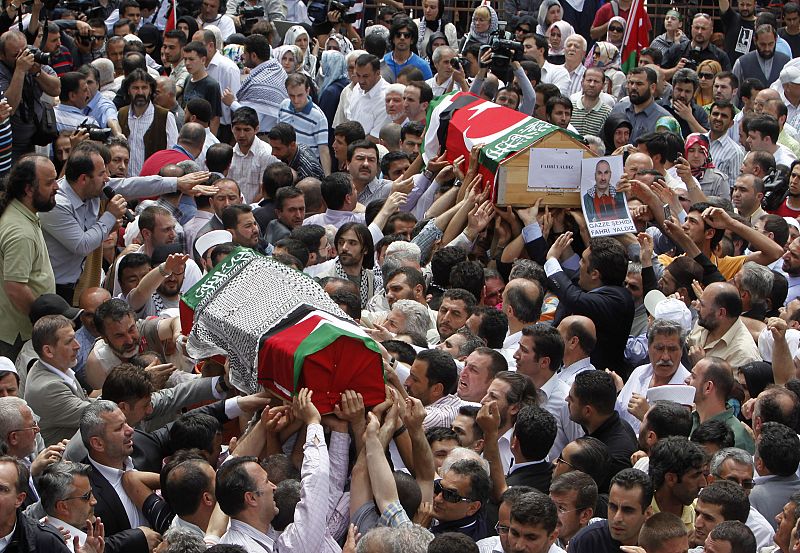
364	288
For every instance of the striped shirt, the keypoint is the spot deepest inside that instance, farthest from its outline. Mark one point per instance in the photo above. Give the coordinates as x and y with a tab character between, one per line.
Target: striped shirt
5	146
589	121
306	163
575	79
727	156
310	123
138	127
68	118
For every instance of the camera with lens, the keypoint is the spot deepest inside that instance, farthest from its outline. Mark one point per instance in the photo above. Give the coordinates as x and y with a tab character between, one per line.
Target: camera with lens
318	10
95	132
504	50
692	59
42	58
251	12
79	6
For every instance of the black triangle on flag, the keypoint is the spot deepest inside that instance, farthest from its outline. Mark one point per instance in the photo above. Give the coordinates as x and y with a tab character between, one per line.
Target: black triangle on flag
447	113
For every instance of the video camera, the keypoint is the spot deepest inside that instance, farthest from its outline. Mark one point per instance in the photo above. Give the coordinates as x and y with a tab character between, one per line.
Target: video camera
95	132
504	50
318	10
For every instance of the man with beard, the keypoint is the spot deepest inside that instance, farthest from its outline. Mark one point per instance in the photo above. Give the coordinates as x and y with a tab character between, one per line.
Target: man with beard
394	103
238	219
25	271
356	256
698	49
765	63
727	154
362	164
720	331
642	112
401	36
791	205
738	28
124	337
690	116
119	158
148	128
676	469
160	288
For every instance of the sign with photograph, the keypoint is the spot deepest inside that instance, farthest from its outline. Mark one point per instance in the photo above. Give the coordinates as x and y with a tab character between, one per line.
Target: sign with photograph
605	209
554	168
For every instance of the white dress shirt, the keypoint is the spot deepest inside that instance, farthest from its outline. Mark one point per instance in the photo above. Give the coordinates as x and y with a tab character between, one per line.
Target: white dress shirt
225	71
567	374
5	540
556	391
248	170
67	376
504	445
114	477
761	529
557	75
639	382
369	108
254	541
510	346
138	127
225	24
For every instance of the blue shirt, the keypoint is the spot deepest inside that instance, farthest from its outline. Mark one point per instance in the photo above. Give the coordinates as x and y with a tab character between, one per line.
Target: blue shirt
414	60
68	118
102	109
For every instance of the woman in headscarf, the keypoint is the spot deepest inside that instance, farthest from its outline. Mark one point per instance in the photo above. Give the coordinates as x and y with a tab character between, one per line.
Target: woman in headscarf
606	56
432	21
557	35
290	57
188	25
339	42
437	39
616	31
616	133
669	124
333	67
550	11
526	25
706	70
484	23
712	182
673	33
298	36
151	39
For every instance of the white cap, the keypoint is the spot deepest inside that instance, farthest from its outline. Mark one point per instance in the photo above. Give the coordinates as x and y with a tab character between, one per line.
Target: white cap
651	299
679	393
792	222
790	74
211	239
7	365
132	38
672	309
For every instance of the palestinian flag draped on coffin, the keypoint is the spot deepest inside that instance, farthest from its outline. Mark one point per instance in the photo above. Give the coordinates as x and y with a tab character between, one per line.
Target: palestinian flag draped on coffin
279	329
459	120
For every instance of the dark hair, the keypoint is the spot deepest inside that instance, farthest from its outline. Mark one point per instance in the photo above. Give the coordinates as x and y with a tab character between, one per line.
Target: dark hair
441	369
185	485
22	175
177	35
233	481
778	448
582	483
730	496
493	326
283	132
459	294
127	383
364	236
594	458
194	430
425	91
596	388
276	175
772	406
230	215
777	225
403	351
667	418
197	47
440	433
147	218
361	144
719	234
724	104
737	534
443	261
402	22
295	248
130	261
547	342
368	59
648	72
200	108
258	45
713	432
658	529
766	125
468	275
219	157
656	144
79	163
720	373
558	101
348	301
686	76
750	86
654	53
310	235
452	542
675	454
416	128
114	309
286	193
246	116
535	509
375	45
684	270
609	258
535	430
629	479
23	474
350	130
391	157
296	79
480	484
414	277
138	74
70	82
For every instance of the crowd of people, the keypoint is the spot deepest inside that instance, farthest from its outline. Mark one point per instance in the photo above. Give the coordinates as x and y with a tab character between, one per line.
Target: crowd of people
546	390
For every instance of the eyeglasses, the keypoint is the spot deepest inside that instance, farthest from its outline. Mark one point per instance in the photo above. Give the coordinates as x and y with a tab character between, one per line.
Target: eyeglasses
85	497
500	529
403	34
746	484
706	75
98	38
615	29
34	427
562	460
451	496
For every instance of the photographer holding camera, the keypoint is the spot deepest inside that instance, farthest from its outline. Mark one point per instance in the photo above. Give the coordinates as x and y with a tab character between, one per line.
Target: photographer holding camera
22	81
528	100
689	54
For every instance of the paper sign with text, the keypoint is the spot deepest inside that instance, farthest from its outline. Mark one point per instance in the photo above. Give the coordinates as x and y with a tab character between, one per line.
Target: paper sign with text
554	168
605	209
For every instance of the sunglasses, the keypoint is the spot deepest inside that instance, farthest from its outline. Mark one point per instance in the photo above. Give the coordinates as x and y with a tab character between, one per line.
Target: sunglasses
403	34
615	29
746	484
85	497
451	496
706	75
562	460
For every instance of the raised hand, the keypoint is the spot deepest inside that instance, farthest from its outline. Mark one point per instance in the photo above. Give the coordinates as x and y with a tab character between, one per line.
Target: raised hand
560	245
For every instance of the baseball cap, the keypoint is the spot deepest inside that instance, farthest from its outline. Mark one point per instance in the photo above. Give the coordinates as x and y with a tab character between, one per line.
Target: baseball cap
52	304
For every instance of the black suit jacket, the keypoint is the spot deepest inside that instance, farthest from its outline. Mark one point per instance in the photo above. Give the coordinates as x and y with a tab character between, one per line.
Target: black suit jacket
110	509
536	476
611	309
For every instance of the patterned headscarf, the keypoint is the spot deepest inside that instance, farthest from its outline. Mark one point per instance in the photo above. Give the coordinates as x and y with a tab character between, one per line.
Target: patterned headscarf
345	46
334	68
290	38
701	140
670	123
608	56
277	54
483	38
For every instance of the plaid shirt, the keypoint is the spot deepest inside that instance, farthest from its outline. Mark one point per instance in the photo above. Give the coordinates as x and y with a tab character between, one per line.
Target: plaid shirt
248	169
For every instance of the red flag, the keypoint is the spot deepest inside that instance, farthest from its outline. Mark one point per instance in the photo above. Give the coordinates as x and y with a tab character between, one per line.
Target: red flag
172	17
637	35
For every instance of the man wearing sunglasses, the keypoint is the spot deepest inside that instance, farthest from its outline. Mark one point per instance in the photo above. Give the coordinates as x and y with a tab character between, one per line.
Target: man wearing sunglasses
736	466
67	498
402	35
458	500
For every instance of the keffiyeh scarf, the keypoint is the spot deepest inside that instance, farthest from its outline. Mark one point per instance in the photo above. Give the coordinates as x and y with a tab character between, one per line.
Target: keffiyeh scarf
266	85
363	288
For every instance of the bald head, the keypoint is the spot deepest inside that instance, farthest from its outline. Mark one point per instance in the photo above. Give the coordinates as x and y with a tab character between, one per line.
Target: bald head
522	302
90	300
720	306
763	97
312	192
636	162
580	337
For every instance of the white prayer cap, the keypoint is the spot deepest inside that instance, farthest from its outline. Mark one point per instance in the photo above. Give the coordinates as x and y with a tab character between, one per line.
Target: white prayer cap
211	239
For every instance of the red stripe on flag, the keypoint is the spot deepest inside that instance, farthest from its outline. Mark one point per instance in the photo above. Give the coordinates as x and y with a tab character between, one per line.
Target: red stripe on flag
172	17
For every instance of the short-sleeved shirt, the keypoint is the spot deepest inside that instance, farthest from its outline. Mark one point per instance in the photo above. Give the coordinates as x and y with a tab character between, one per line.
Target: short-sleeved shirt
207	89
310	123
740	36
605	13
23	259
